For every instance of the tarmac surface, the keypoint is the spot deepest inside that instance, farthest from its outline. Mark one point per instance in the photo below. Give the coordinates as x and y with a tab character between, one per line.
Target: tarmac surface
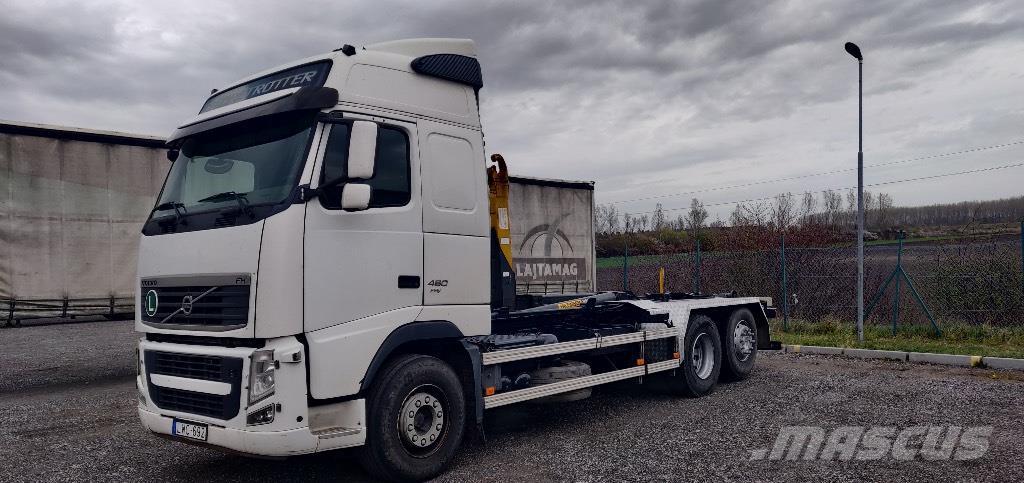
68	414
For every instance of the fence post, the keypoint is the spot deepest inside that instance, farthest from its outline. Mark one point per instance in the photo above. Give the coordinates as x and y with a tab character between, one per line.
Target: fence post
661	281
896	296
696	270
785	287
625	266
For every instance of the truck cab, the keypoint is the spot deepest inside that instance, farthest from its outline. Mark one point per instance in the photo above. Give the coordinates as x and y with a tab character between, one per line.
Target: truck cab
324	268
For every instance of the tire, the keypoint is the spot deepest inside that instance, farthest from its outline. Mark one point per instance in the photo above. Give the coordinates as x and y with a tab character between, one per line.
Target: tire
416	397
564	371
698	375
740	341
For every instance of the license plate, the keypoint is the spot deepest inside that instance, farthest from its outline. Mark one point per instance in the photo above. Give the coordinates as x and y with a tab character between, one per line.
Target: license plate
186	429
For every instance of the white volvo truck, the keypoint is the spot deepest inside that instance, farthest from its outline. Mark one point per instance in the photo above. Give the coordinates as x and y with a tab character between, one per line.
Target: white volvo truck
328	266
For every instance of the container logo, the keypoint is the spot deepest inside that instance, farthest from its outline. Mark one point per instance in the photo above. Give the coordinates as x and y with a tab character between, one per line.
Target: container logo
152	301
546	255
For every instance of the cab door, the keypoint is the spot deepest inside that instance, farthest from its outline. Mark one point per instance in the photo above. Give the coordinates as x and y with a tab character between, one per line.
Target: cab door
363	263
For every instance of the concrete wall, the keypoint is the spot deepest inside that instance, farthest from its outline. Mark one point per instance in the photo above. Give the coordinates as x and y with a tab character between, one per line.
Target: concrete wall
552	235
72	203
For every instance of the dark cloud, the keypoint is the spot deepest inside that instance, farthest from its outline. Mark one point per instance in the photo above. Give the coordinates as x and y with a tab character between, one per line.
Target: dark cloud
649	96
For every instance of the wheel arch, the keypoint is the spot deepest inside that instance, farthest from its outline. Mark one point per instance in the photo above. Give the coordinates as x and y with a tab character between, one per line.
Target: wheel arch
437	338
426	337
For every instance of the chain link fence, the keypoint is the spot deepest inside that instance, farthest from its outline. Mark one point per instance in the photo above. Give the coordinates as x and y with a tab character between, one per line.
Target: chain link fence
972	280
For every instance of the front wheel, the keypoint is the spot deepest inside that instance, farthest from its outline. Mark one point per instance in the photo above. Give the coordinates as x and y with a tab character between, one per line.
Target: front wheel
415	419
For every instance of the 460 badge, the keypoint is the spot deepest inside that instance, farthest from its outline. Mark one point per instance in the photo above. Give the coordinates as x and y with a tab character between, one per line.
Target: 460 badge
437	285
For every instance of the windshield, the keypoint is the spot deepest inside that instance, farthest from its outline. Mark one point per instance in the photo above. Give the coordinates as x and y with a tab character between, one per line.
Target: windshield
238	168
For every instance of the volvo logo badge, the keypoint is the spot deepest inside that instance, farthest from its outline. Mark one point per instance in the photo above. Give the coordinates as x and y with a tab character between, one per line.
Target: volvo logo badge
186	305
151	303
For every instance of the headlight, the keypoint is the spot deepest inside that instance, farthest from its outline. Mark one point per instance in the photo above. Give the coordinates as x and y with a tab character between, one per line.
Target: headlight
261	375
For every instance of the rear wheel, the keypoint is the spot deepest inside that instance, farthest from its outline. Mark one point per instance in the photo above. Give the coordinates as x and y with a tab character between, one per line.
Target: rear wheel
415	419
701	363
740	341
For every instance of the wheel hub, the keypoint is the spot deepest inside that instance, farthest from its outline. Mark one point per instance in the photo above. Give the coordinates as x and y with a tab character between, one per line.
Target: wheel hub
743	340
422	419
702	356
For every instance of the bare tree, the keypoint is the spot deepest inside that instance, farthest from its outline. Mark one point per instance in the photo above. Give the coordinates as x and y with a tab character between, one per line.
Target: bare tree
808	208
756	213
738	217
784	212
628	222
884	208
658	218
642	222
869	203
600	223
606	219
833	208
613	219
851	207
696	217
679	224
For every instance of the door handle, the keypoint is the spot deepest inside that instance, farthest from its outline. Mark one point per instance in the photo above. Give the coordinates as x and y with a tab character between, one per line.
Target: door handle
408	281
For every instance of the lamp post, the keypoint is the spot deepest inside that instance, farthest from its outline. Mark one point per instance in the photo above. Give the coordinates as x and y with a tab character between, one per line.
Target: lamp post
852	49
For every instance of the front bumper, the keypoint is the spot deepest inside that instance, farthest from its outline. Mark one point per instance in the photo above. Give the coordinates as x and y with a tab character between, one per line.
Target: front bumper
290	432
260	443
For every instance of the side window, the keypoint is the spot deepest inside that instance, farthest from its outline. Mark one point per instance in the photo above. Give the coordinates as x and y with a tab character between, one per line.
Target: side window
390	185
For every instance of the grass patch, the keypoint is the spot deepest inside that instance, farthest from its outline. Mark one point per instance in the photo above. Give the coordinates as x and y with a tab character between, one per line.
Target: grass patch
977	340
912	240
639	260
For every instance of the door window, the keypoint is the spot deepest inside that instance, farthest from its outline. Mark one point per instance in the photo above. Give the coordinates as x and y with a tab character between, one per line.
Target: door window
389	186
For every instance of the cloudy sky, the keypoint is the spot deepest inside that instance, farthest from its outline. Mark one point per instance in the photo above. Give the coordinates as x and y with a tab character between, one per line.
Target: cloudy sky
652	99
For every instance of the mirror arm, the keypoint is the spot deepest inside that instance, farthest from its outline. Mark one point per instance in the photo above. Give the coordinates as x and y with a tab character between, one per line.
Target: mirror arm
305	193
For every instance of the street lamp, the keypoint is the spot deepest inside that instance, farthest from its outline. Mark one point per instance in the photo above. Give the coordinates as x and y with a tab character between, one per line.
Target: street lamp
853	50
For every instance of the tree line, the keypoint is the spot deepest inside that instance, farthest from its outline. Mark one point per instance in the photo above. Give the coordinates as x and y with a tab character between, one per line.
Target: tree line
812	219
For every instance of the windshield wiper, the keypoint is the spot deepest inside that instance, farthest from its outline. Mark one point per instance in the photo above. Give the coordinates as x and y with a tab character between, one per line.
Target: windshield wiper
178	208
243	202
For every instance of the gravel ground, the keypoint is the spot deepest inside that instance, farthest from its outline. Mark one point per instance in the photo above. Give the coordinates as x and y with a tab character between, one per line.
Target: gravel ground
68	415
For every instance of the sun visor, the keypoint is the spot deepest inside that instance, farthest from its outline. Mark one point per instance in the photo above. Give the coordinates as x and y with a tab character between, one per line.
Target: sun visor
304	98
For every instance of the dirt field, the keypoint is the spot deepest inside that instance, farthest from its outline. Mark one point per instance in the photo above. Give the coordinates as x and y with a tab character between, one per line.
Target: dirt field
69	415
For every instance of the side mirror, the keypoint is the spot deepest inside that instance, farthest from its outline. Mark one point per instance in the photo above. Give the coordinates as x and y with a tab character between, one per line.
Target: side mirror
362	149
172	154
355	197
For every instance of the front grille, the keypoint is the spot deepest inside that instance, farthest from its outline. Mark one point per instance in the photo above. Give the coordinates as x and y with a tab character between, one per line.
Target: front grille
207	368
212	307
192	366
190	402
